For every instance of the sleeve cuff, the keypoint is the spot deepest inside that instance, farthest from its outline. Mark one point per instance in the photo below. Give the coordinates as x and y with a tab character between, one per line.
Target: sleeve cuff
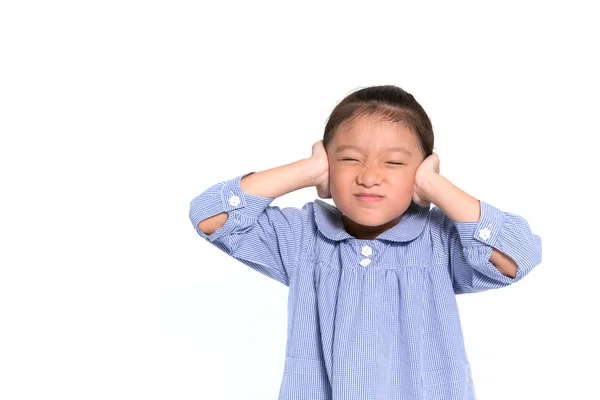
226	197
234	199
483	232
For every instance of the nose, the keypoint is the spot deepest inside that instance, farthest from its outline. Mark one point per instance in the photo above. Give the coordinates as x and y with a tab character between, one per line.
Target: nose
369	176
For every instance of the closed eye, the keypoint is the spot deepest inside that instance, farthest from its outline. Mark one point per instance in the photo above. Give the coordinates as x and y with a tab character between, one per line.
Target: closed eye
389	162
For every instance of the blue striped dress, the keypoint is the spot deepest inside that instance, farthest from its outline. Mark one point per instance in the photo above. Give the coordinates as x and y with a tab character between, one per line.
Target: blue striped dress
369	319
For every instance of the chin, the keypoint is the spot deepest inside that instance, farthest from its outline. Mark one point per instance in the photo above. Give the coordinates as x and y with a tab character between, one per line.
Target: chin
366	220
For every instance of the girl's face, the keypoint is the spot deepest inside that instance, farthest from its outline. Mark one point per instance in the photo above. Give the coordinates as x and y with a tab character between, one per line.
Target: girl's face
363	157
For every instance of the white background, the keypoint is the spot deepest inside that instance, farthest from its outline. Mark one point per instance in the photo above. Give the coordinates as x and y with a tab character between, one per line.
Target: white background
115	114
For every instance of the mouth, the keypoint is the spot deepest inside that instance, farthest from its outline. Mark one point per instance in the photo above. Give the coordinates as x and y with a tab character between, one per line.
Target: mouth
368	198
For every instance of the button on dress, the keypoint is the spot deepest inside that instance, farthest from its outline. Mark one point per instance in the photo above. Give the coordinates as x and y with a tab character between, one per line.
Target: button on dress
369	319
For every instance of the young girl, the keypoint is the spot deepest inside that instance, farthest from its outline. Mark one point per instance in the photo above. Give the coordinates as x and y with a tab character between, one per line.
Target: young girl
372	312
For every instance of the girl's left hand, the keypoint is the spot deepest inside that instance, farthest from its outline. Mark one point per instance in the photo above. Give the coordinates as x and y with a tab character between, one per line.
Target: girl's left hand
429	165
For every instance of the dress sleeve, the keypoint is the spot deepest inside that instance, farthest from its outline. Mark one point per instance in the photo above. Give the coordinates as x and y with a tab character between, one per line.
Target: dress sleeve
266	238
468	247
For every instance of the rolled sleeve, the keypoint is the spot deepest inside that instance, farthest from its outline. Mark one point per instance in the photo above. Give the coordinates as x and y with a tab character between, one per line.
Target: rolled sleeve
267	238
484	232
469	247
226	196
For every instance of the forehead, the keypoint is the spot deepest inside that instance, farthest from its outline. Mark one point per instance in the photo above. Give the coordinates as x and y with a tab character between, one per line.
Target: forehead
372	134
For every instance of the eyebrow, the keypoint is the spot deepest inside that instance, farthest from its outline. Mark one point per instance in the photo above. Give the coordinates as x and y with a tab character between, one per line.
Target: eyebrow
389	149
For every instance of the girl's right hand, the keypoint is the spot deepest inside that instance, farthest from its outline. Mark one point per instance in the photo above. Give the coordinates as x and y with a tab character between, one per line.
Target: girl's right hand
321	161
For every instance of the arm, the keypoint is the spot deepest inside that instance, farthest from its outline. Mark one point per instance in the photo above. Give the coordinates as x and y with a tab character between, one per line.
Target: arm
462	207
488	248
236	217
271	183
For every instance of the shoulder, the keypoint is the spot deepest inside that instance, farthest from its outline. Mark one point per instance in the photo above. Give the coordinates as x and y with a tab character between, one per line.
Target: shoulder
438	219
440	226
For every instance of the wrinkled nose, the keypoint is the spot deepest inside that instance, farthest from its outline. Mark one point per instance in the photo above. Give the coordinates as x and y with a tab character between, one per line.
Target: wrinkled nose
369	176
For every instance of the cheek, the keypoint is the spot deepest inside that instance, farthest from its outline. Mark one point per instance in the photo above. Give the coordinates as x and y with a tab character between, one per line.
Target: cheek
341	182
403	183
340	174
337	180
404	177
